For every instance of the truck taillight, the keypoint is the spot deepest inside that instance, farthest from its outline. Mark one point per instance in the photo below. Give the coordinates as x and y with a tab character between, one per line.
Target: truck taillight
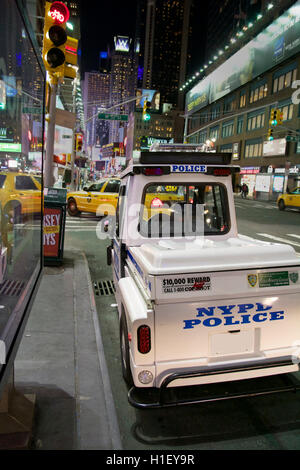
156	203
144	339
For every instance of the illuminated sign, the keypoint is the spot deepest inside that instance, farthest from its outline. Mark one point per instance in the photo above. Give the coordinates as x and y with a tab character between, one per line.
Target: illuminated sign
122	43
6	147
143	95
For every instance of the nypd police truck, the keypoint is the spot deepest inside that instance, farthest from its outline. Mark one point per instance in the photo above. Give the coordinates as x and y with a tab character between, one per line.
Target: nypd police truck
198	303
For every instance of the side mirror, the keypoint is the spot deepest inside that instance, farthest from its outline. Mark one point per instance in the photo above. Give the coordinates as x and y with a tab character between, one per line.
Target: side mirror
85	188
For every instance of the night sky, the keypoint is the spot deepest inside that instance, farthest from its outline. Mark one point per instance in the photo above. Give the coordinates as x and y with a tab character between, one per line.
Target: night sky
100	22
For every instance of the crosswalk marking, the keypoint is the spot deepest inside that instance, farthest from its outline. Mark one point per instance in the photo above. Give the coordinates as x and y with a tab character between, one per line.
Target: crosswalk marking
279	239
293	235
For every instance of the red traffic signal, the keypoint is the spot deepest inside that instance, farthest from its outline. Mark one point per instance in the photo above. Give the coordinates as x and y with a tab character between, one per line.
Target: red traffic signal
59	12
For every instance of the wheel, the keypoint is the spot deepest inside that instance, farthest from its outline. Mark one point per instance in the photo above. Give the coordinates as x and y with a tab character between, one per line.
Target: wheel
124	345
72	208
281	205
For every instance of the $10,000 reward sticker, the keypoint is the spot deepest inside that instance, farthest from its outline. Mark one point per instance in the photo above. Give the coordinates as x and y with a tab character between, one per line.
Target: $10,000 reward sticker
174	285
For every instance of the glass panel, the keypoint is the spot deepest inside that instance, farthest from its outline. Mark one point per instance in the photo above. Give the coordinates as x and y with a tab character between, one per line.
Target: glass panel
112	186
95	186
170	210
21	145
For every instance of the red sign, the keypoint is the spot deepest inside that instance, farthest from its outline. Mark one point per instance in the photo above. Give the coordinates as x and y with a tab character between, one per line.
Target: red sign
51	231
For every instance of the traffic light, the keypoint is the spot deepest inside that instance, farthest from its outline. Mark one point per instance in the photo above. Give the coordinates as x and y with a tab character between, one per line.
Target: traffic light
280	117
55	38
71	57
274	117
270	134
146	110
78	142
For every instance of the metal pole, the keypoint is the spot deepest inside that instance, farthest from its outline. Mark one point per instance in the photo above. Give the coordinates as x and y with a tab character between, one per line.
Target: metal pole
186	119
72	185
49	178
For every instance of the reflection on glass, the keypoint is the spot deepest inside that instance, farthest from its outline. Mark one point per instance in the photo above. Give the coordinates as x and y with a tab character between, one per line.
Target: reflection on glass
21	143
170	210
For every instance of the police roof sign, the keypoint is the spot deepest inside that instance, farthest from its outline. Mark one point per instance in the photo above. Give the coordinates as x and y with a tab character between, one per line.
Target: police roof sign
188	168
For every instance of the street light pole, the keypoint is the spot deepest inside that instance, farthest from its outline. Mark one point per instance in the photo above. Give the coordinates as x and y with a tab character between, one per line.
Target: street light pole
48	174
73	154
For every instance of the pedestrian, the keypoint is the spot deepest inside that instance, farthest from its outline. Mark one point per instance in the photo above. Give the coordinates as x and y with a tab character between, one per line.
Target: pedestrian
245	190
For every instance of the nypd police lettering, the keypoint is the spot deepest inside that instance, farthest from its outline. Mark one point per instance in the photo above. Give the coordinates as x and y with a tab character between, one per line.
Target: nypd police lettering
188	168
229	315
173	285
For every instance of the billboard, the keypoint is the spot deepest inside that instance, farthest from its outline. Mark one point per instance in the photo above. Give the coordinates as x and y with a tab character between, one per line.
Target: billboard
143	95
279	41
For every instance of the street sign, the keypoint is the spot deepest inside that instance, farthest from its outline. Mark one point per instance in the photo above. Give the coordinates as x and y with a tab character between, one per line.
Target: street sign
291	138
32	110
113	117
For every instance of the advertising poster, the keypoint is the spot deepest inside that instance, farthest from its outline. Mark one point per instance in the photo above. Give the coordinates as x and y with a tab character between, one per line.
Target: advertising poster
263	183
143	95
278	183
52	218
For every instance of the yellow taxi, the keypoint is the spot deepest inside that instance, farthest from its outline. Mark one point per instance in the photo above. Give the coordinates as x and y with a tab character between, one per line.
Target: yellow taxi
99	198
20	190
289	199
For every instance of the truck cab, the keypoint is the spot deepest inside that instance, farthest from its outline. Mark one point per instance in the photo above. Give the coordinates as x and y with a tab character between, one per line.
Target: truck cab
198	303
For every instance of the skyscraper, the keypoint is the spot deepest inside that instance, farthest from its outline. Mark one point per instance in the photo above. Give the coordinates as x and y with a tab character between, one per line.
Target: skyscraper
123	78
167	46
96	93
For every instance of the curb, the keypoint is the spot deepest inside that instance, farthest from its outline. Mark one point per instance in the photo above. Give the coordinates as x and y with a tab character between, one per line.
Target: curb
108	396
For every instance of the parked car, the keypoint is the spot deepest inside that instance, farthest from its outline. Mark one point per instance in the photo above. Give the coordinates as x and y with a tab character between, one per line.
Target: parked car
198	303
98	198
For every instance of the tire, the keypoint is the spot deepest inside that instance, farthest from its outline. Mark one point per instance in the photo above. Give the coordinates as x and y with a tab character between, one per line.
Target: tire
124	346
72	208
281	205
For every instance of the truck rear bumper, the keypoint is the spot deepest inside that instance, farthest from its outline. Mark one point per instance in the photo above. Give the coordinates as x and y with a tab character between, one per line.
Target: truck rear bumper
160	397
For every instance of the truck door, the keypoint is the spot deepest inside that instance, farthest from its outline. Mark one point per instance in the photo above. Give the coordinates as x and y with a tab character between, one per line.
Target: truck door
119	248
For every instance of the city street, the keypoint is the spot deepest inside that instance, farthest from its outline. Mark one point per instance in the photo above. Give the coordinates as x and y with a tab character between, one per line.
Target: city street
258	423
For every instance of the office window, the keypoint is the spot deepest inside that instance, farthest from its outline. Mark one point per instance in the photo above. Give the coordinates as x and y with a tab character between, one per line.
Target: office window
253	148
227	129
287	110
229	104
258	92
214	132
284	80
240	125
243	99
255	121
215	112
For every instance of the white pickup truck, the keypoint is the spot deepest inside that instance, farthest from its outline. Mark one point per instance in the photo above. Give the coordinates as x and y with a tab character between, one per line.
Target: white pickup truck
198	303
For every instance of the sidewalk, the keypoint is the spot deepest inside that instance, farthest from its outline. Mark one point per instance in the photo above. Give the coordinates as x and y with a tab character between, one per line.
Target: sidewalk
61	360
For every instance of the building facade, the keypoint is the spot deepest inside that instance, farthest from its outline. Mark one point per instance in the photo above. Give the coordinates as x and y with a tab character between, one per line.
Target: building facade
230	109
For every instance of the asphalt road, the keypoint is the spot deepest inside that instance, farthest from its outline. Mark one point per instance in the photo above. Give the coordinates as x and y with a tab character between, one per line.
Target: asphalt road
264	423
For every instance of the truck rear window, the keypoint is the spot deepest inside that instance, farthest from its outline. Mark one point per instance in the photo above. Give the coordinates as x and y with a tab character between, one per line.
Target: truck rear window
170	210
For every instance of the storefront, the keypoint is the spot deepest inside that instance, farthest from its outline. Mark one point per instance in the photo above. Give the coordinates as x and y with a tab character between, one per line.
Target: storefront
22	81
